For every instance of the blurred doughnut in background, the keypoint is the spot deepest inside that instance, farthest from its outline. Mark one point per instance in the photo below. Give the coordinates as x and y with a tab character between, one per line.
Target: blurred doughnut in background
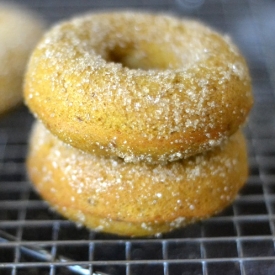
20	29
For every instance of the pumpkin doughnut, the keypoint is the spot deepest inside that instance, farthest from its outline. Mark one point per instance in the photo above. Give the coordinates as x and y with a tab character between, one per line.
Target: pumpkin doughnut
19	31
140	86
134	199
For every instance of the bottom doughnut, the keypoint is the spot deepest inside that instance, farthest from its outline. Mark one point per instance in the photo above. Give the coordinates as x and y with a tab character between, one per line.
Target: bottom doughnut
109	195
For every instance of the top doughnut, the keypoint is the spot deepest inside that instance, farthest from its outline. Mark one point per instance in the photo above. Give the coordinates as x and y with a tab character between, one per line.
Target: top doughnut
141	86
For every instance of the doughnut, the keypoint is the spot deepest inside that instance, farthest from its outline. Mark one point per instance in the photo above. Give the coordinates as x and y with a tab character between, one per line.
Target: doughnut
140	86
19	31
134	199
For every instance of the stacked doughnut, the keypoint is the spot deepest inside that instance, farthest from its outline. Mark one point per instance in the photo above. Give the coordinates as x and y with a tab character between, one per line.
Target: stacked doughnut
138	121
19	31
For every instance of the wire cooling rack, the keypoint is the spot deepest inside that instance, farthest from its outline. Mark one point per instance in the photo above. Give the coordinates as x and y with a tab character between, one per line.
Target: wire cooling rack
240	241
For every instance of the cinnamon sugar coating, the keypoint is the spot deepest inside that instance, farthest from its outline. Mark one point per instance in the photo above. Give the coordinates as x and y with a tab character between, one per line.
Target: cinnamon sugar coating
140	86
110	195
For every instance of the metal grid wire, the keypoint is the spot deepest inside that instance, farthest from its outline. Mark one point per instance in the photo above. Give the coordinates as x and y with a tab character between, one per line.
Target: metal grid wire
239	241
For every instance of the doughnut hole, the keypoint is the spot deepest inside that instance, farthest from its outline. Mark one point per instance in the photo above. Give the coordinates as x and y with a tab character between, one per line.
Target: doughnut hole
145	56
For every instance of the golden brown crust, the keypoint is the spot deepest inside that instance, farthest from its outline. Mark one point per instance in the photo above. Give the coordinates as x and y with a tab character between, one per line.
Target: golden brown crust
140	86
135	199
19	31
